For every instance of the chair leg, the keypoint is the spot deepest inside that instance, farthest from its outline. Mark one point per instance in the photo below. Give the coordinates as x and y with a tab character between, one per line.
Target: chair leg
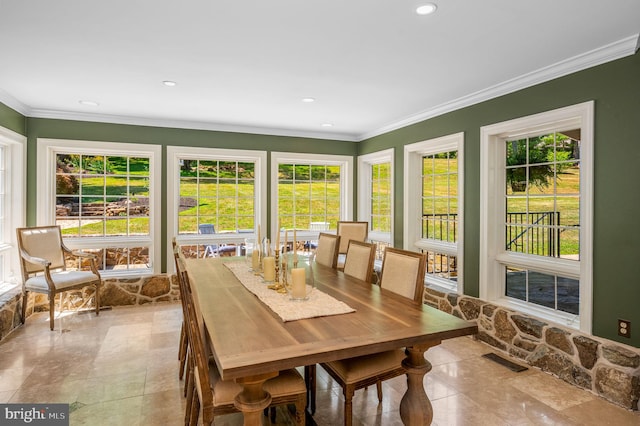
300	413
97	299
348	405
379	388
25	300
189	407
310	380
52	306
195	409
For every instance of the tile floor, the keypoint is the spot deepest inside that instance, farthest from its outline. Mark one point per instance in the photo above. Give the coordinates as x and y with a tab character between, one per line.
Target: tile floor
121	369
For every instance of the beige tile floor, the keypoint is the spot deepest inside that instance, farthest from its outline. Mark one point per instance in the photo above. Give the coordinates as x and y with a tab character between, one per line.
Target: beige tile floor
121	369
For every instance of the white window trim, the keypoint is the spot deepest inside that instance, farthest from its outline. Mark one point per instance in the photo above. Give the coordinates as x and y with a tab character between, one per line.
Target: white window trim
46	163
346	184
413	154
492	252
174	153
365	166
16	179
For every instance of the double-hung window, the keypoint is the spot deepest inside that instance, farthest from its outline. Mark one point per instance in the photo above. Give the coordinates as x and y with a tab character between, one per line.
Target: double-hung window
375	196
217	198
311	192
104	197
536	214
12	203
433	213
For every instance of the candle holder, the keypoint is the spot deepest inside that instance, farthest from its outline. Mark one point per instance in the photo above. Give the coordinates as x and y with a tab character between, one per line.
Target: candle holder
300	281
252	255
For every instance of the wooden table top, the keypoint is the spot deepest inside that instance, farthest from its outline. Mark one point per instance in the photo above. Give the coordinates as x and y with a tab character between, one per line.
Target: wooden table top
247	338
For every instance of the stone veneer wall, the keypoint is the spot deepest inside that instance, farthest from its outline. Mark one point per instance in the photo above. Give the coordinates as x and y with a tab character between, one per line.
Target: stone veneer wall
114	292
608	369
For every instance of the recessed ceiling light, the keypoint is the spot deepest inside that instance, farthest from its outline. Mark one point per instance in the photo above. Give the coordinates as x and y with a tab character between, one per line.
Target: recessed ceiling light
169	83
327	125
426	9
308	100
88	103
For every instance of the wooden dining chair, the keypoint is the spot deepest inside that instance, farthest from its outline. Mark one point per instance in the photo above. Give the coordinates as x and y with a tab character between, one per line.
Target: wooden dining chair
44	269
211	396
183	344
327	251
359	260
350	230
404	276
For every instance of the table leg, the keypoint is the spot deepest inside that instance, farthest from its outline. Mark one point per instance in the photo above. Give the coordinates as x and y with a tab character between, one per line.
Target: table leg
415	407
253	399
310	380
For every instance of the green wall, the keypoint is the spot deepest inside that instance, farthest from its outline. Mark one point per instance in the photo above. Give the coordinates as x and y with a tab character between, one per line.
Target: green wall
91	131
615	88
12	120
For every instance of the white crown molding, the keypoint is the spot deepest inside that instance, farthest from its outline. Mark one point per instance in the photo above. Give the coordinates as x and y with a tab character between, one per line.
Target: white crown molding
616	50
179	124
14	104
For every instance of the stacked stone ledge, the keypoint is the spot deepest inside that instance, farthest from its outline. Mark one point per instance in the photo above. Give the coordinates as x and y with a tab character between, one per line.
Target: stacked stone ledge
605	368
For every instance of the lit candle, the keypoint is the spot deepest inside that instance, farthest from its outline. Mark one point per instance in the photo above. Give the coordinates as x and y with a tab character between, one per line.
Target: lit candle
298	284
269	264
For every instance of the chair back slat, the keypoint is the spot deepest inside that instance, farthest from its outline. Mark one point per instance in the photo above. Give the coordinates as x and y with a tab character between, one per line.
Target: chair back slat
44	242
403	273
359	260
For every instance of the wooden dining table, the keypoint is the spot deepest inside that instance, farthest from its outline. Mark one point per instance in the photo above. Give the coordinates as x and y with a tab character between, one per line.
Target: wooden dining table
250	343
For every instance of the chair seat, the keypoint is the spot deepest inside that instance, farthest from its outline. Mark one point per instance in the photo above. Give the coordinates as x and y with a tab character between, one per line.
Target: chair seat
287	383
353	370
62	280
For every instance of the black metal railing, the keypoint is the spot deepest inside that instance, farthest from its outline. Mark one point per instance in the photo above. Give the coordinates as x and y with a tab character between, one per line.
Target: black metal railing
539	228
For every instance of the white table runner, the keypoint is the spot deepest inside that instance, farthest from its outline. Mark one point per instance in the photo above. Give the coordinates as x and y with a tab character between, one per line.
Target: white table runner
317	305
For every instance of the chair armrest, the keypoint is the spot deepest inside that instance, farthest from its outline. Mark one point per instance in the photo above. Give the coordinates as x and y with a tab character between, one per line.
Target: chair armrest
92	259
26	256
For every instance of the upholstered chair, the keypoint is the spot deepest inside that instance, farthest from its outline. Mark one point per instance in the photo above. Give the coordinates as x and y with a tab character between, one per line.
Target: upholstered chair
349	230
359	260
402	274
44	269
327	251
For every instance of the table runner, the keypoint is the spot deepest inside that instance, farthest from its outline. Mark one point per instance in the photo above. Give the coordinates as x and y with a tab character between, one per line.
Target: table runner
319	304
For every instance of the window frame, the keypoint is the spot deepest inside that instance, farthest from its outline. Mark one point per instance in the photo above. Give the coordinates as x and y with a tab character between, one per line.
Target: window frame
15	168
413	154
365	167
346	184
493	255
174	153
46	163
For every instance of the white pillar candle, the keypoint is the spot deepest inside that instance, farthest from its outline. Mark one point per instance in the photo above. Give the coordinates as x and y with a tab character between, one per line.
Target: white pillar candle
299	287
269	264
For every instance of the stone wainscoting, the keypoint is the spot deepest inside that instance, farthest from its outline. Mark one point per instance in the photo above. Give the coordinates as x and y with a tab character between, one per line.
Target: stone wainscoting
114	292
606	368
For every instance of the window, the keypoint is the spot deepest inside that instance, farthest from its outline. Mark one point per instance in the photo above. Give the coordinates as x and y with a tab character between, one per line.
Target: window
536	214
312	192
12	203
216	196
375	196
433	215
102	196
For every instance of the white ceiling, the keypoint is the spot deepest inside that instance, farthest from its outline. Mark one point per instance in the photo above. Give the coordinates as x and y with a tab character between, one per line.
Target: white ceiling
371	65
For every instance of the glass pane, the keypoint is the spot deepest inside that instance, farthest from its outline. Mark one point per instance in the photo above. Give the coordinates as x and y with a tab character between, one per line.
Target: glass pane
569	208
68	163
516	180
138	186
117	166
569	295
541	179
117	186
92	227
516	152
570	244
93	185
188	167
67	184
301	173
568	178
541	149
246	170
207	188
542	289
227	188
516	239
93	164
516	283
92	206
115	227
139	166
227	170
208	169
187	225
139	226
